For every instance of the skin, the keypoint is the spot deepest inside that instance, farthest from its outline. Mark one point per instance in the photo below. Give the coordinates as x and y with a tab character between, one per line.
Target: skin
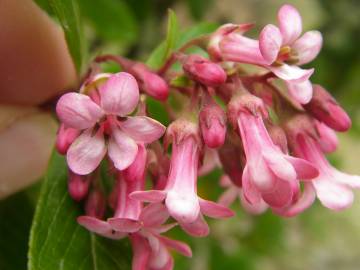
35	66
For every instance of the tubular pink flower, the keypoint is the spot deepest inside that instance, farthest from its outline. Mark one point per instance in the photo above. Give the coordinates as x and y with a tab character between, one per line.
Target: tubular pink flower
204	71
269	174
280	50
326	109
212	125
180	195
333	188
118	97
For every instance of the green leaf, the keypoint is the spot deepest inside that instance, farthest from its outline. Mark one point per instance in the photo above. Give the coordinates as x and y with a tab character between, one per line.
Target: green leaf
113	20
57	242
67	12
156	58
16	213
159	56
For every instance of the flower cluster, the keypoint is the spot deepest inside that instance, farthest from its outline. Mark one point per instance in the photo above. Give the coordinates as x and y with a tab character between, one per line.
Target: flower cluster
268	130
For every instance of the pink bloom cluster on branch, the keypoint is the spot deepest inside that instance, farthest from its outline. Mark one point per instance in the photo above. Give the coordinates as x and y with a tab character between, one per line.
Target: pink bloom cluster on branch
269	142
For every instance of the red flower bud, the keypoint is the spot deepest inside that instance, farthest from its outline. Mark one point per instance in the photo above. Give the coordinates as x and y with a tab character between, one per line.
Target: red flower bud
203	70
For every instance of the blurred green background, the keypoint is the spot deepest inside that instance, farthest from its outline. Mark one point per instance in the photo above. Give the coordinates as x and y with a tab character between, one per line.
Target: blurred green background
318	239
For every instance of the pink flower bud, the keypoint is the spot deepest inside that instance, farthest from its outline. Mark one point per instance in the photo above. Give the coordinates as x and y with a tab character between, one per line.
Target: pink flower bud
203	70
65	138
78	186
151	83
136	171
325	109
212	125
95	204
327	140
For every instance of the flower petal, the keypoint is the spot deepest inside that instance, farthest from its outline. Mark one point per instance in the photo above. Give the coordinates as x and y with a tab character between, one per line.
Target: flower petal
178	246
99	226
198	228
78	111
279	165
302	92
308	46
333	195
281	196
152	196
154	214
270	41
255	209
122	149
238	48
141	251
291	73
290	23
143	129
86	152
125	225
120	94
214	210
251	194
304	169
229	196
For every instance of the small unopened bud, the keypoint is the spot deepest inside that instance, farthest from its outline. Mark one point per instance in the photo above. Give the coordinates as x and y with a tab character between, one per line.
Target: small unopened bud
328	140
325	109
95	204
150	82
78	186
204	71
212	125
65	137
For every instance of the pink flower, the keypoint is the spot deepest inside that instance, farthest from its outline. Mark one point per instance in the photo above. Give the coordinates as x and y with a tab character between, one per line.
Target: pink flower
151	252
269	174
326	109
212	124
78	186
203	70
180	193
333	188
281	50
105	115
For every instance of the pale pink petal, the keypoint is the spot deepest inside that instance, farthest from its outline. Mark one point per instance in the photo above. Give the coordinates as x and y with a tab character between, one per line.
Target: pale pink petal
229	196
328	139
302	92
251	194
143	129
347	179
154	214
333	195
279	165
291	73
308	46
270	41
125	225
152	196
290	23
281	196
198	228
100	227
178	246
86	152
122	149
304	169
305	201
214	210
119	94
78	111
162	228
184	207
238	48
255	209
